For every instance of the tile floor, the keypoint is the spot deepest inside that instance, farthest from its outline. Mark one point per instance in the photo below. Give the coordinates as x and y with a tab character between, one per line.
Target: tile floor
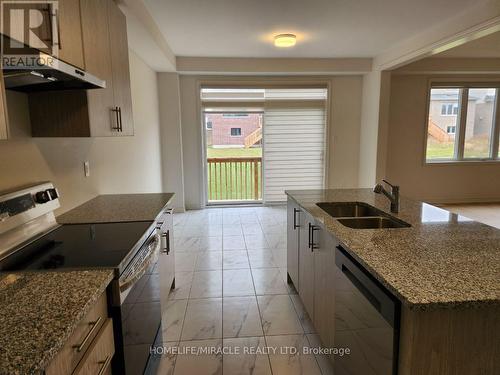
231	293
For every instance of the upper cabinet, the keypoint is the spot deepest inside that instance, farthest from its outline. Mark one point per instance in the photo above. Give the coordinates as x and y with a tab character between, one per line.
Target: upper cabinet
97	112
69	30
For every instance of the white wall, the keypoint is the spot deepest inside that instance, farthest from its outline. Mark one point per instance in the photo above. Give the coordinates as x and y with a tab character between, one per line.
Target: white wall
344	128
171	137
117	165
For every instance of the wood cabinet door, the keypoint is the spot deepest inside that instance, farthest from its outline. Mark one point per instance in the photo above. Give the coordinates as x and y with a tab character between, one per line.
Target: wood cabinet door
3	110
120	67
293	223
306	265
95	33
69	29
324	286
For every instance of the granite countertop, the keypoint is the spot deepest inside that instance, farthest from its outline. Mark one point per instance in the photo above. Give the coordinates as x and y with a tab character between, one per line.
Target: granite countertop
443	260
117	208
39	311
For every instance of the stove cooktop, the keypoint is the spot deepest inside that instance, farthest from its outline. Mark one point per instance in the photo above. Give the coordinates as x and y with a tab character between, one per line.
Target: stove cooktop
106	245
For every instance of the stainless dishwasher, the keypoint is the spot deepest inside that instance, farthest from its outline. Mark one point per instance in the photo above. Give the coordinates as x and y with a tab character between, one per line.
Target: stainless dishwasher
367	320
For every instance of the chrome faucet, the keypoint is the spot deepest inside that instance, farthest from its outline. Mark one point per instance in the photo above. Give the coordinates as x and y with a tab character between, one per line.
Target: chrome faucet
393	195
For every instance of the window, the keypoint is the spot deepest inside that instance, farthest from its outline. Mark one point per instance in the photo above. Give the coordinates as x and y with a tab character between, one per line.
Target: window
463	123
235	132
449	109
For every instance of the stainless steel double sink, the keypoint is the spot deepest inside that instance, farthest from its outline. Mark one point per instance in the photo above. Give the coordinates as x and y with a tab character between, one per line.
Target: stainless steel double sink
360	215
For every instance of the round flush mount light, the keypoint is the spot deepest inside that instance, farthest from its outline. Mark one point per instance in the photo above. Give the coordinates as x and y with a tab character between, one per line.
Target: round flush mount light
285	40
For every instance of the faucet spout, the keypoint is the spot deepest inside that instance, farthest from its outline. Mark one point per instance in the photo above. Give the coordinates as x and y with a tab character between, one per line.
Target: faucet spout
393	196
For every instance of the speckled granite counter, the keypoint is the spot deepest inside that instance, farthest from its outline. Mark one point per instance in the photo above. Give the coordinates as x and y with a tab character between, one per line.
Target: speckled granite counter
117	208
442	261
38	313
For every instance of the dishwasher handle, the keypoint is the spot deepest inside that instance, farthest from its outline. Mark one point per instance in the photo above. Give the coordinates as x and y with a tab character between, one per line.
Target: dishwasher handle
384	302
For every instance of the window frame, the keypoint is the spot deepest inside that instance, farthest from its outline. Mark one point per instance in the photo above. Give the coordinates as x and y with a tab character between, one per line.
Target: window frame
458	156
235	135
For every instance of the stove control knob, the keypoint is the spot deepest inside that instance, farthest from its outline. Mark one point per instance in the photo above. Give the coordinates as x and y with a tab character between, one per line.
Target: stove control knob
42	197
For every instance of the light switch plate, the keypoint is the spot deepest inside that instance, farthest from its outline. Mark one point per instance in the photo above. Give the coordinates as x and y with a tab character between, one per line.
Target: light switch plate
86	168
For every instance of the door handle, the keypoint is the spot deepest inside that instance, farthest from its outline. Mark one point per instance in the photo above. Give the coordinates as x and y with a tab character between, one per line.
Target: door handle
295	212
120	117
93	327
312	228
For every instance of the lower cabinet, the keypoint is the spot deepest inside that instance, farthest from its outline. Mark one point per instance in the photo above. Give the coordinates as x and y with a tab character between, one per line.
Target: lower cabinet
306	263
294	222
3	110
166	261
90	348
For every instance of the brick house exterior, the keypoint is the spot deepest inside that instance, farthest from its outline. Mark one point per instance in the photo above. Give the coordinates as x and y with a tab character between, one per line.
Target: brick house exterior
230	129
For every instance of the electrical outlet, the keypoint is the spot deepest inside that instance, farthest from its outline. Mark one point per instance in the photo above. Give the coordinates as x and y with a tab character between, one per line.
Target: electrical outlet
86	168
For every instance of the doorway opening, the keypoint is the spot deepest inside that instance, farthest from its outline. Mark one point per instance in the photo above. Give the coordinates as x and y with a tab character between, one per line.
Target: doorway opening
233	156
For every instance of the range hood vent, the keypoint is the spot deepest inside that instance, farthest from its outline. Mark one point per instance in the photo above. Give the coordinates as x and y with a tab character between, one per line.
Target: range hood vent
48	74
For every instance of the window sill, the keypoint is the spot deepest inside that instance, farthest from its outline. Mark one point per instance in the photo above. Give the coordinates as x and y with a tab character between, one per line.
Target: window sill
475	162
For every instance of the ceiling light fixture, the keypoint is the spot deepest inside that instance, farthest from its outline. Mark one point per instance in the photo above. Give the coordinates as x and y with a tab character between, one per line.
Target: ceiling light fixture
285	40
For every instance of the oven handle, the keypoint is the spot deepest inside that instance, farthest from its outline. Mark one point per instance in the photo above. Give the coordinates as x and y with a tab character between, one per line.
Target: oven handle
154	247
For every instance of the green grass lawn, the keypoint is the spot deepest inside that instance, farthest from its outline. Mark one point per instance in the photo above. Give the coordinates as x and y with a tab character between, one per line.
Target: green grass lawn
474	148
234	181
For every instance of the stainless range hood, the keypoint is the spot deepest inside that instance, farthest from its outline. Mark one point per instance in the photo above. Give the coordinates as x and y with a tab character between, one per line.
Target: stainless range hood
47	74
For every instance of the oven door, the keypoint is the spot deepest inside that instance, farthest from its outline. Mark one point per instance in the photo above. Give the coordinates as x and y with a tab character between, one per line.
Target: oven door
137	311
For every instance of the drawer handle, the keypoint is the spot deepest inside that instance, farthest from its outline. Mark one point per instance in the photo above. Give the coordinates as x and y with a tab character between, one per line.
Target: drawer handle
94	325
105	365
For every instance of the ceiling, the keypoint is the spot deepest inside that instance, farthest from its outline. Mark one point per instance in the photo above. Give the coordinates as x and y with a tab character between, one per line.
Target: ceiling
324	28
485	47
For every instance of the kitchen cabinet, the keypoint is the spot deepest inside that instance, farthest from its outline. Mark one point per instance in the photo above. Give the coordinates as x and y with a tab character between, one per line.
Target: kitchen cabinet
69	30
3	110
324	284
98	112
294	218
166	262
306	263
60	30
90	347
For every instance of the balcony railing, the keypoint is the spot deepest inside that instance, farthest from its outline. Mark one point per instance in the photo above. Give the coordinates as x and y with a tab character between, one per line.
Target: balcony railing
234	179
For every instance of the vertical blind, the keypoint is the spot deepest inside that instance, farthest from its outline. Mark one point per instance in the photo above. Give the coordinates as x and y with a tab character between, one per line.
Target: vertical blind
294	148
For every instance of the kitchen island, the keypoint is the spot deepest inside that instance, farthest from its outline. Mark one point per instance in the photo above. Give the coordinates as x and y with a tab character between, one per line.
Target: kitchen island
443	269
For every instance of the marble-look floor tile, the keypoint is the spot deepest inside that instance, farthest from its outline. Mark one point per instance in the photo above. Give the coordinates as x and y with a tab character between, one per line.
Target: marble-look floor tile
233	243
276	241
280	257
173	319
323	360
185	261
232	230
206	284
203	319
252	228
278	315
268	281
261	258
246	357
167	359
211	243
202	362
249	218
182	288
256	241
304	318
209	260
296	363
237	283
240	317
233	260
189	244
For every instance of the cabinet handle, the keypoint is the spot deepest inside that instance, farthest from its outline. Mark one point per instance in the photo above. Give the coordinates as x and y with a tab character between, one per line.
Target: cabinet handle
166	235
169	211
117	127
295	212
105	365
312	228
120	117
58	28
94	325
